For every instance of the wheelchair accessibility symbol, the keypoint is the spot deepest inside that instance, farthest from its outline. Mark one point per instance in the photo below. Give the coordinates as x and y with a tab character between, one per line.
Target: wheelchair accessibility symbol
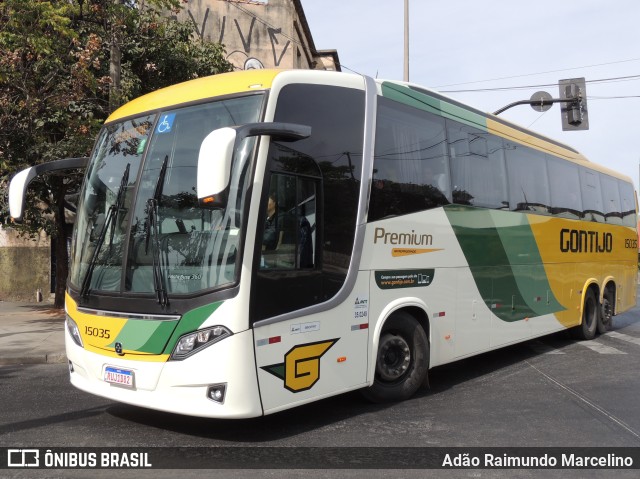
166	123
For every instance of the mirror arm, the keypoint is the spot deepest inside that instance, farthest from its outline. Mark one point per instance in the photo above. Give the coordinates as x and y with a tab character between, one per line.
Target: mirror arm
276	130
223	143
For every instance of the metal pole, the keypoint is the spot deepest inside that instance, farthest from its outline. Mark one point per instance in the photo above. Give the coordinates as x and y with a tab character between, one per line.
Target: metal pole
406	40
535	102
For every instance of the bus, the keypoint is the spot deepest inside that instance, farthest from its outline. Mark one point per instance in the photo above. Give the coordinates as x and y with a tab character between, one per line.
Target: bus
253	241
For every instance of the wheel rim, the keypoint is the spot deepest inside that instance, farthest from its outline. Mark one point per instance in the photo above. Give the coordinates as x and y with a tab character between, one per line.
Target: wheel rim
394	358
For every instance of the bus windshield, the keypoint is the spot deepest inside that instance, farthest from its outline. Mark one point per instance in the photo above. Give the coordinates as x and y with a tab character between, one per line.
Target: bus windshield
139	227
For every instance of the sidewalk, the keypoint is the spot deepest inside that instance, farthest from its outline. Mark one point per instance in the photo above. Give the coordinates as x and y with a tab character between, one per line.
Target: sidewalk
31	333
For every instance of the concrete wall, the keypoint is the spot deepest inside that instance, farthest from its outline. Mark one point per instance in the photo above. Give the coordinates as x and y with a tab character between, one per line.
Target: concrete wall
25	266
257	34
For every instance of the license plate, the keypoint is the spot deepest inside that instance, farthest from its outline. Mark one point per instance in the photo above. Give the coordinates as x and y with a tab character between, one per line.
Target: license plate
119	377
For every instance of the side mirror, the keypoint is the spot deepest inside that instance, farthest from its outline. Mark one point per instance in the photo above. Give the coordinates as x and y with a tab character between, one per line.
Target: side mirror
214	167
217	151
18	192
20	182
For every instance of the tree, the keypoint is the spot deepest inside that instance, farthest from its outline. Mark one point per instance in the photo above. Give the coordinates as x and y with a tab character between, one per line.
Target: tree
57	87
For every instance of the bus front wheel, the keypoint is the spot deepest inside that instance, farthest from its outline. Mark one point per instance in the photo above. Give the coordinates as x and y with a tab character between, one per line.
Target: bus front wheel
590	317
402	360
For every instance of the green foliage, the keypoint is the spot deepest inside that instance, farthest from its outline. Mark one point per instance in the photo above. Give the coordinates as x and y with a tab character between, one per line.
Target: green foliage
56	59
44	70
55	78
160	52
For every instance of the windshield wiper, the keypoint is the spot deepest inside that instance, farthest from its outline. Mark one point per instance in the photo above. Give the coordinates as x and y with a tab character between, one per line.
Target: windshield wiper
112	215
152	230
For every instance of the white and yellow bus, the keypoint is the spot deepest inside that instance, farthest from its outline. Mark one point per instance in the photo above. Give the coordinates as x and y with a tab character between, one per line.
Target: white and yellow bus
253	241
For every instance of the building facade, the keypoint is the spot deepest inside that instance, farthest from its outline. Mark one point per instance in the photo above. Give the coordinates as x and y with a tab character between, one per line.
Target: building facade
259	33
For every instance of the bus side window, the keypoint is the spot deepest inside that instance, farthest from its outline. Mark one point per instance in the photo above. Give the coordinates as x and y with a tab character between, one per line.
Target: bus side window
564	182
591	196
628	203
528	179
411	169
611	197
478	173
289	224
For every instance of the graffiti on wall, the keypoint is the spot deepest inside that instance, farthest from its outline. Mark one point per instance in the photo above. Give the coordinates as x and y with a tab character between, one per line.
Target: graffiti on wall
233	30
260	2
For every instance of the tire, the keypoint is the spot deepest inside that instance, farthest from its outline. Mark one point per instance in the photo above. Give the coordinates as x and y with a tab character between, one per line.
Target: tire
590	317
402	360
605	320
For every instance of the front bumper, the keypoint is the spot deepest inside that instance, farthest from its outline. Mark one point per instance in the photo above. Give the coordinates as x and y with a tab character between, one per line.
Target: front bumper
177	386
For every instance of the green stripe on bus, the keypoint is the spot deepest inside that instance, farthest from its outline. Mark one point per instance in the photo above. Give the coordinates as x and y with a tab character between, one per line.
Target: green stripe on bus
488	262
144	336
422	101
524	257
403	94
514	286
158	337
191	321
158	340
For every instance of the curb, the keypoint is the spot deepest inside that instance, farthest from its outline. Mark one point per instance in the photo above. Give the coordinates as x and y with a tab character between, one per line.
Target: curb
50	358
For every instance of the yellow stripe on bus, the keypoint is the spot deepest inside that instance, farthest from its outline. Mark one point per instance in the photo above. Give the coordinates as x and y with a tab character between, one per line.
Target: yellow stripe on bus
99	331
198	89
572	253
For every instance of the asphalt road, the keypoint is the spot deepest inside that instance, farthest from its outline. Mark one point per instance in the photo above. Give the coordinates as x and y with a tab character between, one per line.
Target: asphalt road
548	392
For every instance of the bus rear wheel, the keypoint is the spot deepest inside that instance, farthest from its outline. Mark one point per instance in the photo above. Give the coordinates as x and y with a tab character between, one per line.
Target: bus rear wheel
606	313
590	317
402	360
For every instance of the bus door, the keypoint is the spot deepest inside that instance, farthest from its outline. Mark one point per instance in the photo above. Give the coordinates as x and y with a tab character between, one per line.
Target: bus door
310	334
312	354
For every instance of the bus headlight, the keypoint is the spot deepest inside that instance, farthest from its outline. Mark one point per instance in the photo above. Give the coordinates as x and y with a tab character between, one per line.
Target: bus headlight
193	342
72	327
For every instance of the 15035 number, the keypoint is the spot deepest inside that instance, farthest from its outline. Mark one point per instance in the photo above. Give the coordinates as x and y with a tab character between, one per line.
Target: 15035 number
97	332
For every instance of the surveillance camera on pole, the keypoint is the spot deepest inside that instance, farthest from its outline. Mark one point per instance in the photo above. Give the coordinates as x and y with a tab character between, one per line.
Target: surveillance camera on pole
574	107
